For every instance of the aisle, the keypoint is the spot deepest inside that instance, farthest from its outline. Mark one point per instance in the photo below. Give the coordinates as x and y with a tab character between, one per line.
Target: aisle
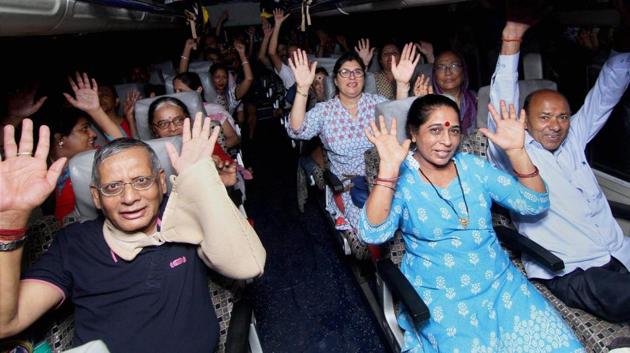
307	300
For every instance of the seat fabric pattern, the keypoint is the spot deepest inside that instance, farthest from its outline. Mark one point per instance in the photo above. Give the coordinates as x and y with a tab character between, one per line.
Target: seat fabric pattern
224	293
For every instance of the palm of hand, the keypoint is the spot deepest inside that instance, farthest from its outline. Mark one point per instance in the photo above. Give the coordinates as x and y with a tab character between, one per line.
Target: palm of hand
403	71
23	104
192	151
87	99
510	134
303	75
389	150
24	184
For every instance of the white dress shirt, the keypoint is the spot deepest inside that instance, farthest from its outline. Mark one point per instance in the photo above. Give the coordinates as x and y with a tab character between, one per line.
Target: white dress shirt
579	227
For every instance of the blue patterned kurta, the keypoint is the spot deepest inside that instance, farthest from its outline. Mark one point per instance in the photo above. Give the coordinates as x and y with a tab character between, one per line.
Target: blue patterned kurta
344	139
478	299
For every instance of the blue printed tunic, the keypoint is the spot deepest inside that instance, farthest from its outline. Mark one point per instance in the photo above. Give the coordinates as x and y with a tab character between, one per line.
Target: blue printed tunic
344	139
479	301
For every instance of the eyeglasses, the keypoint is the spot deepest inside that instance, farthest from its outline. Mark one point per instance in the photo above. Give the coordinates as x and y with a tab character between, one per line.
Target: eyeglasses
453	67
345	73
165	124
116	188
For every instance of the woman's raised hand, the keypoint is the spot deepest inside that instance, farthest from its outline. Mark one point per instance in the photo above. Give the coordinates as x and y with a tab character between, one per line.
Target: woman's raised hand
279	16
510	131
403	70
303	72
423	86
85	93
391	153
364	51
130	104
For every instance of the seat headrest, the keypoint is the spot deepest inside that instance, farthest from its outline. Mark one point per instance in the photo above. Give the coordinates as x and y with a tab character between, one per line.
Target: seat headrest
331	90
201	68
525	87
157	72
191	99
80	167
123	90
398	110
326	63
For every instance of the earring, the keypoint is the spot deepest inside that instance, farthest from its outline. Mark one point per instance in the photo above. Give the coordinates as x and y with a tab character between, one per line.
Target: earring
61	144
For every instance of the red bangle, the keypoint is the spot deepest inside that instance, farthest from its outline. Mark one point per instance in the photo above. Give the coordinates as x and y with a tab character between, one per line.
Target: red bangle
524	176
387	179
384	185
19	231
511	40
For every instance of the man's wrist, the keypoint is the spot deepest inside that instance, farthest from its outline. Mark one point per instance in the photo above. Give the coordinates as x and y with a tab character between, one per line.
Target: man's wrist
11	219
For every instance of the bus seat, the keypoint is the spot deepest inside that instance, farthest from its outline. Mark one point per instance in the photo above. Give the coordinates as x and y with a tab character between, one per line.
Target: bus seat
157	72
326	63
81	175
395	110
525	88
370	83
122	90
532	66
191	99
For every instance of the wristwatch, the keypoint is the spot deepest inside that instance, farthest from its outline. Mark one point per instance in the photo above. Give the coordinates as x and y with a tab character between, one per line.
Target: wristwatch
12	245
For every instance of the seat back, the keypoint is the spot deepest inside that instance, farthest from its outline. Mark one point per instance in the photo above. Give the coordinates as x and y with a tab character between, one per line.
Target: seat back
525	88
191	99
122	90
81	175
398	110
326	63
157	72
532	66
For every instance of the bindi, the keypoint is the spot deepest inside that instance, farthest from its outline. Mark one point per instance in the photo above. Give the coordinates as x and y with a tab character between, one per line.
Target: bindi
447	124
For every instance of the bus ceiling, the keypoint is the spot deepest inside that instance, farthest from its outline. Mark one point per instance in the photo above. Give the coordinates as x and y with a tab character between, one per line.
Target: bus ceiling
52	17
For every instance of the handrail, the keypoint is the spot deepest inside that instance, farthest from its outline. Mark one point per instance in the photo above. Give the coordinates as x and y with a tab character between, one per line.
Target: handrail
138	5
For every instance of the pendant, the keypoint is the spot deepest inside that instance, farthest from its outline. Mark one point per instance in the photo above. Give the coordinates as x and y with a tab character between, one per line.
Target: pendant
464	222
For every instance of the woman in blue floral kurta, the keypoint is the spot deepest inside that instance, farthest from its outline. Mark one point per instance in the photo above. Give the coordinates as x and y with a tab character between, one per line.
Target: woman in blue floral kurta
340	122
479	301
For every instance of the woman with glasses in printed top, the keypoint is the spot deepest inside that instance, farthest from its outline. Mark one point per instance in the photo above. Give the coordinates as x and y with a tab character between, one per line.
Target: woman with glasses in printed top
339	122
166	119
450	78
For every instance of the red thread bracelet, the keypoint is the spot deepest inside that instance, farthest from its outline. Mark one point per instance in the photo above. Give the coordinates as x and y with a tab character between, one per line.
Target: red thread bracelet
525	176
19	231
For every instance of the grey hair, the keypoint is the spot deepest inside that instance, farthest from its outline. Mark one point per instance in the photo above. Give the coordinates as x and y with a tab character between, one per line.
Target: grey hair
117	146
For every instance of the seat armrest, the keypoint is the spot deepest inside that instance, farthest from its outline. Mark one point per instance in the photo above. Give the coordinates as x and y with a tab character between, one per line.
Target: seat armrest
403	290
333	181
238	331
620	210
513	240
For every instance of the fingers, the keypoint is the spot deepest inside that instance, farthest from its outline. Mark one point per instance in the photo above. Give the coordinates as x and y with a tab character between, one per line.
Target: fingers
375	131
493	113
313	67
512	115
39	103
94	85
43	145
10	148
205	130
172	154
54	172
73	85
504	112
70	99
522	117
406	144
79	80
369	136
186	131
487	133
86	80
213	138
26	140
392	129
197	125
430	89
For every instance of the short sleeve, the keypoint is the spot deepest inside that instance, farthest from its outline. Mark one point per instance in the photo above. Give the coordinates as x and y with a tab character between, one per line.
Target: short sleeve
51	267
286	75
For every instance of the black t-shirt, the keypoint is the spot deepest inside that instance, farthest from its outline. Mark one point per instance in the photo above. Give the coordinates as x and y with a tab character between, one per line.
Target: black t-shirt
159	302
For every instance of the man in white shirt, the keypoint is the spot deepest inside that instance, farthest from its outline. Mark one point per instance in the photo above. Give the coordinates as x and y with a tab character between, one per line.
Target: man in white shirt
579	227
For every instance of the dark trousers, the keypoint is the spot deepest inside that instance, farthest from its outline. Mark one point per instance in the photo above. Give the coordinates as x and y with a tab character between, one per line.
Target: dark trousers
602	291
